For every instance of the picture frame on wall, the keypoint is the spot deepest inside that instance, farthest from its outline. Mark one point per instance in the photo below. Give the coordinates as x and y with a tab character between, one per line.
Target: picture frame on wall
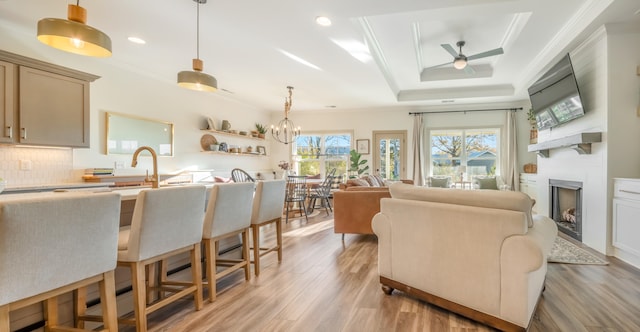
362	146
261	150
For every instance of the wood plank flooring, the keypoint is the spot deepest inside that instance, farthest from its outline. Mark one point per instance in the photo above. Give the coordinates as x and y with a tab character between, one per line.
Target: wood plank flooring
325	284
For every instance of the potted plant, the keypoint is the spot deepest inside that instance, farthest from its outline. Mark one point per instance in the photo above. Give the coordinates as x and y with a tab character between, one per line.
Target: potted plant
358	166
261	130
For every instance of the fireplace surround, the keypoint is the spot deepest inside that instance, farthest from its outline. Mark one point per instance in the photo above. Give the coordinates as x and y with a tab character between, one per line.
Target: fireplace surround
565	206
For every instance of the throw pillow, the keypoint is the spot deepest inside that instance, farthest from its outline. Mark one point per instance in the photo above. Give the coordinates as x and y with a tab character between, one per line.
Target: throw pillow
380	180
440	182
487	183
360	182
335	184
373	182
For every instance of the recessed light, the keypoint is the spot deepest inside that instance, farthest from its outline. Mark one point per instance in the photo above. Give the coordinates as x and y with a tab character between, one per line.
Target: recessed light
137	40
323	21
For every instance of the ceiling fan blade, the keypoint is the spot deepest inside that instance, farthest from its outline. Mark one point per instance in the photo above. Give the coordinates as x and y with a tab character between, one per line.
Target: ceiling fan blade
469	70
496	51
440	65
450	49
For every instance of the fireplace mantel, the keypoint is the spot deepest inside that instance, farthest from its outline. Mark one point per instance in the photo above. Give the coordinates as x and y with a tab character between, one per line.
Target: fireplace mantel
579	142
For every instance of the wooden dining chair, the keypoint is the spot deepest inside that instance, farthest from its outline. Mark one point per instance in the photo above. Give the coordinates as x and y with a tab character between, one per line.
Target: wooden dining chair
240	175
296	194
267	210
322	193
228	215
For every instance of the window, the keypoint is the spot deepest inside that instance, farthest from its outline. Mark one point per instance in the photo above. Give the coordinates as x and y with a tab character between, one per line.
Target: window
319	153
477	149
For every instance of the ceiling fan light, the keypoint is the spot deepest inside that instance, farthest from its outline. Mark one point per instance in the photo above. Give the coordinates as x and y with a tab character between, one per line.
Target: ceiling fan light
459	63
73	35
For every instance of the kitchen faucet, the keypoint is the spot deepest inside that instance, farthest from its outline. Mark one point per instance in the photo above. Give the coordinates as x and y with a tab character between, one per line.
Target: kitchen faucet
154	179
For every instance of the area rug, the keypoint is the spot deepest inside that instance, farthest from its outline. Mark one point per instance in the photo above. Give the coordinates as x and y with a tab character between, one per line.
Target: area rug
566	252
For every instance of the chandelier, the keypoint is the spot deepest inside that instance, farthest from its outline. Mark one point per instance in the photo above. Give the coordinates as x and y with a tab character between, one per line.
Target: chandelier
285	132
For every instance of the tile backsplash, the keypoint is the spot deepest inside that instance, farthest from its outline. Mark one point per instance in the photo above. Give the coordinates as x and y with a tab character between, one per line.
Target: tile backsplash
47	165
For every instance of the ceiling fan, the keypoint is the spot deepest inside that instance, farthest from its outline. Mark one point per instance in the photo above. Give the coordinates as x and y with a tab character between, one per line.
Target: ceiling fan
460	60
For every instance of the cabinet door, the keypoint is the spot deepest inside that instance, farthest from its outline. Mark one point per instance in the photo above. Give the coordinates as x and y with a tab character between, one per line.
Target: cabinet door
54	109
8	82
626	227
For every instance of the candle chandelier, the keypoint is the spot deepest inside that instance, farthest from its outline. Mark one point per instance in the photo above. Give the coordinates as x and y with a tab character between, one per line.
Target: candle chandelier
285	132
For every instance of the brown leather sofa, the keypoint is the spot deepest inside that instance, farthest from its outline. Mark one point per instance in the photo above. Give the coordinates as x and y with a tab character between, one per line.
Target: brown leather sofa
355	206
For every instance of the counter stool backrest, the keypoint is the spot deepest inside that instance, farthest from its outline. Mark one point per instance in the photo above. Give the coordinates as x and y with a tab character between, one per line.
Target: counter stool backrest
56	240
268	201
229	208
163	220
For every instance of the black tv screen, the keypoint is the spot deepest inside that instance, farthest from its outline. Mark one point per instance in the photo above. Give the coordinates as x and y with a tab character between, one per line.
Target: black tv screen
555	97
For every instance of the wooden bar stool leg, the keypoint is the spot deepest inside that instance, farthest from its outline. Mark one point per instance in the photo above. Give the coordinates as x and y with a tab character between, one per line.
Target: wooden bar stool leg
255	229
196	275
80	303
210	269
139	295
108	300
279	238
245	254
51	313
4	319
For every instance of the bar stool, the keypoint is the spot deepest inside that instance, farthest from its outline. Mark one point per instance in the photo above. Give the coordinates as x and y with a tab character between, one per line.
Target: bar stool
228	214
267	209
53	244
166	222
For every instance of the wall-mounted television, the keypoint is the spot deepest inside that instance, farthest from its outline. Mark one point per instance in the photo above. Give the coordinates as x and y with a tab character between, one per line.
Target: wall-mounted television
555	97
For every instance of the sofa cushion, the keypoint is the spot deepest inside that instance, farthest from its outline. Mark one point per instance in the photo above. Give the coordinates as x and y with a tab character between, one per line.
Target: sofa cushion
487	183
380	180
498	199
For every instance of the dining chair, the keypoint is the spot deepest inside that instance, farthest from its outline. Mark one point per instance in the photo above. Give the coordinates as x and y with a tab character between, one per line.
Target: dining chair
322	192
228	215
240	175
296	193
166	222
55	244
267	209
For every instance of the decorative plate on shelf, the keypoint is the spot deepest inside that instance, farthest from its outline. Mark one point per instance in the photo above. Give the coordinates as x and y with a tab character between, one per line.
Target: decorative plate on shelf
206	140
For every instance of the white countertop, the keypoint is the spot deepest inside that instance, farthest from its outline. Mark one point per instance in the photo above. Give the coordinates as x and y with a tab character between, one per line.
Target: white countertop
54	186
125	193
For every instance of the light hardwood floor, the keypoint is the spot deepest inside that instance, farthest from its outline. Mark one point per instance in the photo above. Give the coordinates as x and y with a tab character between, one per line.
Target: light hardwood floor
325	284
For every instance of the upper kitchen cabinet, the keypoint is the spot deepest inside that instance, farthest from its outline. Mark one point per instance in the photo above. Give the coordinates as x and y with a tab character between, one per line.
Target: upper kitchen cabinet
8	102
52	104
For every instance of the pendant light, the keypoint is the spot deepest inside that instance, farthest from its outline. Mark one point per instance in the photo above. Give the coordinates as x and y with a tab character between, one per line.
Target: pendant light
286	132
196	79
73	35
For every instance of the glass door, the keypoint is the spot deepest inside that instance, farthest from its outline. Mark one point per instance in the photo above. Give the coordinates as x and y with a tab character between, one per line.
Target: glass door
390	154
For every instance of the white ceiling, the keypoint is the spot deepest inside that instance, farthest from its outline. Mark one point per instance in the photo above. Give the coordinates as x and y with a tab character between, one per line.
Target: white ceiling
373	56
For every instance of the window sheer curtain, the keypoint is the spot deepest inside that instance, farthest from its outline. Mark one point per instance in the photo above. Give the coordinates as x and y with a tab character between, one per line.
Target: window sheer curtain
510	154
418	150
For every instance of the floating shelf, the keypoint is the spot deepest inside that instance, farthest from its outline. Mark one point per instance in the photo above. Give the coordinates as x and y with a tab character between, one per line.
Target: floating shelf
579	142
242	154
232	134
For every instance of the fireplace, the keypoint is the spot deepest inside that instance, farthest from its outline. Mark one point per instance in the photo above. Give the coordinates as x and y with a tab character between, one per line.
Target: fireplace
565	206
